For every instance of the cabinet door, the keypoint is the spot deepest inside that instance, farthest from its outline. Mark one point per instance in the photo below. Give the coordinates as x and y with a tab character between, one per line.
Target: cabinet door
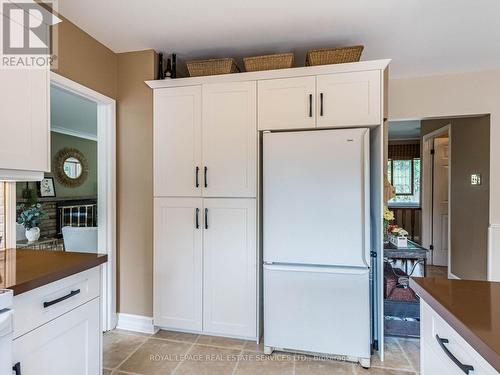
287	103
70	344
230	267
349	99
24	120
230	140
178	263
177	141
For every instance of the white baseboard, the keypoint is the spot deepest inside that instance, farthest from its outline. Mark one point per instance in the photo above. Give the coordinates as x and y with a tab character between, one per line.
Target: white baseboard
452	276
136	323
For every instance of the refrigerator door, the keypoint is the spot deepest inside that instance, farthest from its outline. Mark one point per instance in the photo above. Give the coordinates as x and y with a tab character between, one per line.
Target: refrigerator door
316	197
317	309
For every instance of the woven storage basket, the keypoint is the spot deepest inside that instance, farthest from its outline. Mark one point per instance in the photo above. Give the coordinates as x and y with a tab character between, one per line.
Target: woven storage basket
325	56
211	67
268	62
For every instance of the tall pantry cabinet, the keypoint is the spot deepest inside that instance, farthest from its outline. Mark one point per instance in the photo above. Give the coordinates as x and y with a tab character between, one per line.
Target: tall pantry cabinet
205	168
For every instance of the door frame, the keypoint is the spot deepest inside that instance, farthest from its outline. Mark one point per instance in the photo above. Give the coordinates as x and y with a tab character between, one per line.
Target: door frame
106	194
427	191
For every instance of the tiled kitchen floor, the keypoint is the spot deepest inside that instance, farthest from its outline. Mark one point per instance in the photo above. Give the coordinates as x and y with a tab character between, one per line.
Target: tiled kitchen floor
184	354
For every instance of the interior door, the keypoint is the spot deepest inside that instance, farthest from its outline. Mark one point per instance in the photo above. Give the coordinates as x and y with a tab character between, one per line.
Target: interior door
66	345
178	263
316	197
230	267
440	201
177	141
229	140
349	99
24	119
287	103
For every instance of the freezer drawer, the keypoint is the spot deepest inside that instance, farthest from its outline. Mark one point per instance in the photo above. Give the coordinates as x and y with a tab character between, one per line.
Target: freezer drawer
317	309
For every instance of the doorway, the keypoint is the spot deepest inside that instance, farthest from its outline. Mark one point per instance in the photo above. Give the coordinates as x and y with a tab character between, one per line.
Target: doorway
436	195
80	190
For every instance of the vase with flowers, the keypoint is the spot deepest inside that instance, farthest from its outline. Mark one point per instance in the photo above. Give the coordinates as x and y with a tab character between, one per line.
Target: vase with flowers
30	217
388	218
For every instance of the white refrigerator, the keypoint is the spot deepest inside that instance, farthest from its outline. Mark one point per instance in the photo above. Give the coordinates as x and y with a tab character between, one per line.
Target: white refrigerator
316	242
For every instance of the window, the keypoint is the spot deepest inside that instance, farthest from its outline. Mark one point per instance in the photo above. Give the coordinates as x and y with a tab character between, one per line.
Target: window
404	175
2	215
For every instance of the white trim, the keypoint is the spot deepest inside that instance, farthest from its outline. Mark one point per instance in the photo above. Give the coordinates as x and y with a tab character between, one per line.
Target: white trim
493	257
73	133
426	189
452	276
18	175
106	165
272	74
10	213
136	323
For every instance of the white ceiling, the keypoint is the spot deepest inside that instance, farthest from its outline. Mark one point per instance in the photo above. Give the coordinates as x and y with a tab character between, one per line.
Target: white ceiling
404	129
72	114
423	37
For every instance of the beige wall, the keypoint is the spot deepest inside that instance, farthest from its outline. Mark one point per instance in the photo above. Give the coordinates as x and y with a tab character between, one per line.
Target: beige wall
455	95
469	216
121	76
83	59
135	182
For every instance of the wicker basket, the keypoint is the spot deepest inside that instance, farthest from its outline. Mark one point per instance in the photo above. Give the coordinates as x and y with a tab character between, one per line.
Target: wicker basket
211	67
327	56
268	62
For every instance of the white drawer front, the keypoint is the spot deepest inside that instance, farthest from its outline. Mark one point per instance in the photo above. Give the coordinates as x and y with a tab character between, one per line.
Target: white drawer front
59	297
434	358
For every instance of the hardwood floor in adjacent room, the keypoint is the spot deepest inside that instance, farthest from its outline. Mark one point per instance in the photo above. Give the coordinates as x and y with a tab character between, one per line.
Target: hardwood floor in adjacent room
188	354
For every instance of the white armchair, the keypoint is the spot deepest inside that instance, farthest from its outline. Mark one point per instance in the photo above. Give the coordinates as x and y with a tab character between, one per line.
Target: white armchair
80	239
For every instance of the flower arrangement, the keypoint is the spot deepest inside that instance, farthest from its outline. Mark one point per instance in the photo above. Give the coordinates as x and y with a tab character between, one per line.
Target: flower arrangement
30	216
388	217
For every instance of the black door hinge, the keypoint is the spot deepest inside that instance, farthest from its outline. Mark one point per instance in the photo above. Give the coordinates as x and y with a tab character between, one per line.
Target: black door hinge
432	152
373	254
431	247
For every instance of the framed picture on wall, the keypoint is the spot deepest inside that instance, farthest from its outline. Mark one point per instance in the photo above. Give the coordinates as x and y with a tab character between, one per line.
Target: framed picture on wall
46	188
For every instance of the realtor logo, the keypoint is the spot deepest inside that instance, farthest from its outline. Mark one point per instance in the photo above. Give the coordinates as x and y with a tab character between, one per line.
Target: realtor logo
27	37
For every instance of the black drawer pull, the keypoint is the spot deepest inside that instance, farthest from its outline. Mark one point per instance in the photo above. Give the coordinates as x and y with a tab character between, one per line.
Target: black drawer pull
197	173
60	299
197	218
205	176
17	368
464	368
206	218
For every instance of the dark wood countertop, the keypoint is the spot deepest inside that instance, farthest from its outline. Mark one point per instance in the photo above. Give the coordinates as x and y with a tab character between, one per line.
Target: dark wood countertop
472	308
23	269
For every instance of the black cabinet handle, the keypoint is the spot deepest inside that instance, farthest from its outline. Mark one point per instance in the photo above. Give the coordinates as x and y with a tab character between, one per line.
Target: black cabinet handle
60	299
197	173
205	176
206	218
321	104
17	368
310	105
197	218
460	365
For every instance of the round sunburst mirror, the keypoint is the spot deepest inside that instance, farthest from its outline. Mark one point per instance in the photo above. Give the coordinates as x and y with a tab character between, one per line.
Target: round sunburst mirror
70	167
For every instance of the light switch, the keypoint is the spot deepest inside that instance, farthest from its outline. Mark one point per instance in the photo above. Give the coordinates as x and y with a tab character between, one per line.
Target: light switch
475	179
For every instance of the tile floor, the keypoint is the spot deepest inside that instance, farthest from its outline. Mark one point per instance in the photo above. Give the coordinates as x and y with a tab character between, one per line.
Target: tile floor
186	354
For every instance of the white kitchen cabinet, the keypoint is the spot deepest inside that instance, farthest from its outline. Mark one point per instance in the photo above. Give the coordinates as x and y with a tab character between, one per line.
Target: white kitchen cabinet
287	103
349	99
24	124
66	345
177	141
178	263
229	263
229	144
442	349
